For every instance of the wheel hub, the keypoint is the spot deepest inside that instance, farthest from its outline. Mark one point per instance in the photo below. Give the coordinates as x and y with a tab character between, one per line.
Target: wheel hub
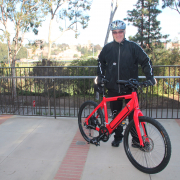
148	144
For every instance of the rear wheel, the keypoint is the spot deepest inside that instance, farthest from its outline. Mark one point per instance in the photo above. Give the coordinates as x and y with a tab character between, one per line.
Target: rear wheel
96	120
156	153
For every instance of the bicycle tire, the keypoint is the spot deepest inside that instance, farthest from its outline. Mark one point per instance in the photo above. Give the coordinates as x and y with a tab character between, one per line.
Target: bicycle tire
86	109
156	158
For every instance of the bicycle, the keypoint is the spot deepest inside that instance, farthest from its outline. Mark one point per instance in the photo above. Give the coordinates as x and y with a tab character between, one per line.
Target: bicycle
151	153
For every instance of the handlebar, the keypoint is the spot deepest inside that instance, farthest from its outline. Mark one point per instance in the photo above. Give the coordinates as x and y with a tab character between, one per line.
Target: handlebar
133	83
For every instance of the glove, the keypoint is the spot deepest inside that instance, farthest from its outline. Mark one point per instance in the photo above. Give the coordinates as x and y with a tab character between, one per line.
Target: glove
98	79
152	81
98	86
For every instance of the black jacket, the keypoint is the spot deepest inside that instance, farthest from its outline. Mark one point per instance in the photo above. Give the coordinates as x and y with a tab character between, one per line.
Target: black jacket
119	61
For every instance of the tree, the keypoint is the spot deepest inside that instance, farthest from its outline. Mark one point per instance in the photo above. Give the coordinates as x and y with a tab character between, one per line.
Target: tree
144	17
83	86
113	10
72	12
173	4
3	52
23	15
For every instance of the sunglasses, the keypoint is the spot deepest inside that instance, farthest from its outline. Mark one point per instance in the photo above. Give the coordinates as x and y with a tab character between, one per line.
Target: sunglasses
117	32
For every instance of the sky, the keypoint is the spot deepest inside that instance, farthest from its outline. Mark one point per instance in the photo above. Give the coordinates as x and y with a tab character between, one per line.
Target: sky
98	24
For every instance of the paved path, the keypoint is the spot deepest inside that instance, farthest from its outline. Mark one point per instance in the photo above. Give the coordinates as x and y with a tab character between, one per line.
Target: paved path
43	148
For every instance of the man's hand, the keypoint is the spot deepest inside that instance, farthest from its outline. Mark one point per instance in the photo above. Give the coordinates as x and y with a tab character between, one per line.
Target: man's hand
98	79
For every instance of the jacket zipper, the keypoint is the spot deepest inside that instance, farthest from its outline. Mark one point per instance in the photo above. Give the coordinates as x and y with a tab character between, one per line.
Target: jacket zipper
118	66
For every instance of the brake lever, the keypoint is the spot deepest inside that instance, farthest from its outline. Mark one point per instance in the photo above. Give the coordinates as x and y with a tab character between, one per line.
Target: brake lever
104	80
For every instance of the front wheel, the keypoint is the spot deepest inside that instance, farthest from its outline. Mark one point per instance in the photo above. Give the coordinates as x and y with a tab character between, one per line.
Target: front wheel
96	120
156	153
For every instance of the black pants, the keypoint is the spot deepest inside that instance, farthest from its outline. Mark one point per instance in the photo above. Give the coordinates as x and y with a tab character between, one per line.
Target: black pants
116	107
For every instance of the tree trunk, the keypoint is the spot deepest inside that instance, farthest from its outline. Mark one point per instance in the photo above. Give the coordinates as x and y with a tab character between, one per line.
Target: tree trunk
142	22
142	28
49	39
110	20
149	21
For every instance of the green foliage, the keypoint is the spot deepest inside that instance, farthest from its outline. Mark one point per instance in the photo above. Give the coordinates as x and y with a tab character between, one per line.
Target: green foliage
22	53
76	13
144	17
75	56
86	51
3	52
81	62
83	86
47	85
62	47
173	4
26	16
72	12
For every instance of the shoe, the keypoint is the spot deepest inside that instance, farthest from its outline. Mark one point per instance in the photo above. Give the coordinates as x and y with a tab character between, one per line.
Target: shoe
116	143
134	145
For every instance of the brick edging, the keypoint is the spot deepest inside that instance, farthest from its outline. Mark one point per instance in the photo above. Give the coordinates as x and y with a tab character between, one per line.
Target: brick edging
4	118
74	161
178	121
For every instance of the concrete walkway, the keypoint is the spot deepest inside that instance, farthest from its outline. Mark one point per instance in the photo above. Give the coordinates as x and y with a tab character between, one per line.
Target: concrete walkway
43	148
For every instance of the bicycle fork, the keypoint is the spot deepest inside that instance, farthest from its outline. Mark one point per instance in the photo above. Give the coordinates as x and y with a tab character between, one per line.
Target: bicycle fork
138	113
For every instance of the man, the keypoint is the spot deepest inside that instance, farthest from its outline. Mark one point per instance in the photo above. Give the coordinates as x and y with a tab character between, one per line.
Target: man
119	60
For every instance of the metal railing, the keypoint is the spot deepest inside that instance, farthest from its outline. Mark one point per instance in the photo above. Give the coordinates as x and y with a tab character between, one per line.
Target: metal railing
60	91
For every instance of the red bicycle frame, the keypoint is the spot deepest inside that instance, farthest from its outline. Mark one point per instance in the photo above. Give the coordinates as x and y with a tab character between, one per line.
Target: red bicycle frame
132	105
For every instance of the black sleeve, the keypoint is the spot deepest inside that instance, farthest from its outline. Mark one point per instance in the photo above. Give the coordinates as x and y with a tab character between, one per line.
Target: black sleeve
144	61
101	63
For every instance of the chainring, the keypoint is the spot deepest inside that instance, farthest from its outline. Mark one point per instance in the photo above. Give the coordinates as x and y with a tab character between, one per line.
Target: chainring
104	134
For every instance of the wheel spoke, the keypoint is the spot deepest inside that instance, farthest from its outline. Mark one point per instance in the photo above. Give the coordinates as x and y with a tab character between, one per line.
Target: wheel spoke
151	157
88	131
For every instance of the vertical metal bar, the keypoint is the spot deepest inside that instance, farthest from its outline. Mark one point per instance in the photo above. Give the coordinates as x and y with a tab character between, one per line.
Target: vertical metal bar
40	112
64	96
59	87
157	94
49	84
41	93
1	107
9	104
21	93
89	88
146	100
173	90
35	108
54	99
25	89
178	94
162	93
74	99
31	104
168	93
77	72
5	96
69	97
17	95
45	91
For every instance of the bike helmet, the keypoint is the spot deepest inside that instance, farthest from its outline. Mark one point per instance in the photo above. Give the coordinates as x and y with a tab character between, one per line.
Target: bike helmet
115	25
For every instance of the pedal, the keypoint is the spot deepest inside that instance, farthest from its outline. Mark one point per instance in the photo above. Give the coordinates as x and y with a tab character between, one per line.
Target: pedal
95	141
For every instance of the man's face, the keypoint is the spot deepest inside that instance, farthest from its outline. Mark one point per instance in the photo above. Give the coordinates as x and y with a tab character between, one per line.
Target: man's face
118	35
